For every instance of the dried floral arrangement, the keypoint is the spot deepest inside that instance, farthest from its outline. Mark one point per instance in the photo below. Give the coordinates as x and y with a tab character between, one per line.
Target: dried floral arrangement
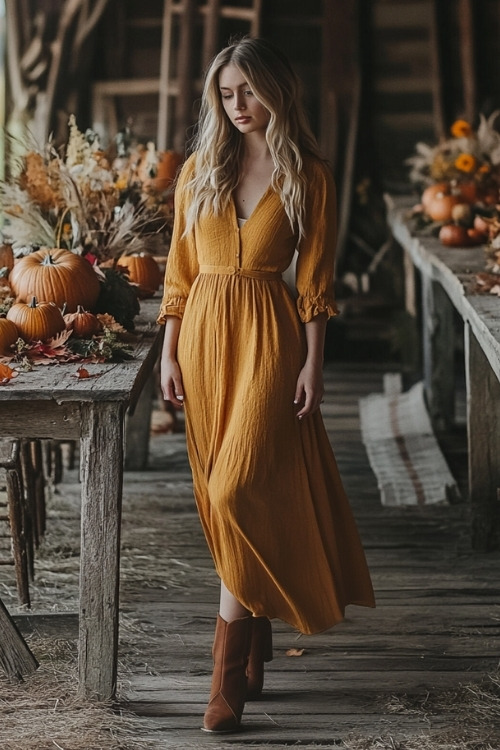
87	200
459	181
82	226
467	155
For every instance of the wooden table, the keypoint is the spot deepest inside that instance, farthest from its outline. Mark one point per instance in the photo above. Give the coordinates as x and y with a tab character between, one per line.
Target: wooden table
50	402
446	275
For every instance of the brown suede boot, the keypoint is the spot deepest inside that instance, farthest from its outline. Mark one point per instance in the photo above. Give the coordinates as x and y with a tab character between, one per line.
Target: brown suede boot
261	650
229	679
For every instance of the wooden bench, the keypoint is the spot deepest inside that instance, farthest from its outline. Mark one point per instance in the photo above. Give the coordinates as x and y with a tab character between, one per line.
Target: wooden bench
447	275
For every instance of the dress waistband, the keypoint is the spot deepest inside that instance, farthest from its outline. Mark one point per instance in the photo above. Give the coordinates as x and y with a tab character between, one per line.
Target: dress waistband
251	273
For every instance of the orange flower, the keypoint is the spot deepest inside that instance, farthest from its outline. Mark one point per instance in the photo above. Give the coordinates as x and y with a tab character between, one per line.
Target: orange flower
484	169
461	129
466	163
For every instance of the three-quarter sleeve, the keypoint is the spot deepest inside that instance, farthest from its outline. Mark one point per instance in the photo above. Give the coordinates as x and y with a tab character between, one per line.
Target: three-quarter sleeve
182	262
316	251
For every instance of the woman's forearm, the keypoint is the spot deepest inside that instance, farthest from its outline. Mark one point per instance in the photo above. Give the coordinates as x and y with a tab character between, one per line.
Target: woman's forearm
315	337
170	374
172	330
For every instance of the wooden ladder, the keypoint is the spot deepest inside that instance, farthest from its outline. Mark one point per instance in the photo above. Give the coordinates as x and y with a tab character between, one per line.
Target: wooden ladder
181	68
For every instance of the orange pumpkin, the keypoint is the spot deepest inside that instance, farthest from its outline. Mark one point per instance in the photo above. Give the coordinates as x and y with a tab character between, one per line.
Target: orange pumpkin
36	321
8	335
83	323
159	177
430	192
143	270
6	257
55	275
440	206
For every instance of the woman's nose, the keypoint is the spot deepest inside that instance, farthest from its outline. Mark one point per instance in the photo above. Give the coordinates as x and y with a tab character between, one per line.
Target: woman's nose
239	101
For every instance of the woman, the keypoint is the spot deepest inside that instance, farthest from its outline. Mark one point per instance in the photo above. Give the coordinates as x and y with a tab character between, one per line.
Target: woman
244	358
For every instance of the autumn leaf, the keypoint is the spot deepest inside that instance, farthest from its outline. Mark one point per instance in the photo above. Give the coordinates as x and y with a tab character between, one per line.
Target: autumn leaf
6	374
486	283
295	652
107	321
59	340
83	373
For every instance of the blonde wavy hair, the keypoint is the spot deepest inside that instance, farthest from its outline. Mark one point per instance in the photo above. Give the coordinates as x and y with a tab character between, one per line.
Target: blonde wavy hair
218	144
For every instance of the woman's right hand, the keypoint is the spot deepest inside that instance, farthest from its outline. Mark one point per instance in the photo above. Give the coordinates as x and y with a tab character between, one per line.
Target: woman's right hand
171	382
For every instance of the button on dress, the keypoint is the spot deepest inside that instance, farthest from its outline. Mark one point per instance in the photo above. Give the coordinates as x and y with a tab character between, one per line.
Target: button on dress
268	491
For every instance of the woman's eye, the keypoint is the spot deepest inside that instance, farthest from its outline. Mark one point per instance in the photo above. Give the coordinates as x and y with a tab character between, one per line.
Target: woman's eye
248	93
226	96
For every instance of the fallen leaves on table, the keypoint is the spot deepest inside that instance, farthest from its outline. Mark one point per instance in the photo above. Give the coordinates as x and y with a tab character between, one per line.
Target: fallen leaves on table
486	283
108	346
82	373
6	374
294	652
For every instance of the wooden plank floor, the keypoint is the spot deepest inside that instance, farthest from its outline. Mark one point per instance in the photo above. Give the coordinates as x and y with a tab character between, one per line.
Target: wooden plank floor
383	673
436	626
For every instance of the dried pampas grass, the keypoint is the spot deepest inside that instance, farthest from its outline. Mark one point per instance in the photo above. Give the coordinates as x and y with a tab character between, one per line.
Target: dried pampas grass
45	713
470	715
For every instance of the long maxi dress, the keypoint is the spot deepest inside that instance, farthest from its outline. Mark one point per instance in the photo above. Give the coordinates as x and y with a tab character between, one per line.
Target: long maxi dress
269	495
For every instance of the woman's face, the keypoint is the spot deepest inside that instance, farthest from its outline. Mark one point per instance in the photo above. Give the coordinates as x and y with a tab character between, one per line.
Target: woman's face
246	113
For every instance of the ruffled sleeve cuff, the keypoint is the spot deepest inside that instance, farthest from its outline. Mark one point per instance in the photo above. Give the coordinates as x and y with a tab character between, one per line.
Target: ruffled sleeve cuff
171	307
309	307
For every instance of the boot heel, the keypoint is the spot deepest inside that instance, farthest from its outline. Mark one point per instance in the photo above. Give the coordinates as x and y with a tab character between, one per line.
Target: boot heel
261	650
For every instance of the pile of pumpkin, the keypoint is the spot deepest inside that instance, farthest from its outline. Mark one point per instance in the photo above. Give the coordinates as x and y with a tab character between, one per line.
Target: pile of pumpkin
460	210
56	290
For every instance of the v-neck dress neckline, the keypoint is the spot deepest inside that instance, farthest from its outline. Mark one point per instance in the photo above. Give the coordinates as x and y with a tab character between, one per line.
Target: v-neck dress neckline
255	208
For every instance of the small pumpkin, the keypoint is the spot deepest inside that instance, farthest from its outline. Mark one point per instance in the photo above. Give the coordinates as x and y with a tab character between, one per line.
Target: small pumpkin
476	236
462	214
6	257
143	270
55	275
8	335
83	323
36	321
482	224
430	192
454	235
440	206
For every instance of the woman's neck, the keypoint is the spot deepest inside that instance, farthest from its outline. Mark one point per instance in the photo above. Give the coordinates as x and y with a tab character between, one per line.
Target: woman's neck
255	148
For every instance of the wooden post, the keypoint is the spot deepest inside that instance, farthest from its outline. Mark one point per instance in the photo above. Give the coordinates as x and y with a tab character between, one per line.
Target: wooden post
16	658
483	419
438	353
102	435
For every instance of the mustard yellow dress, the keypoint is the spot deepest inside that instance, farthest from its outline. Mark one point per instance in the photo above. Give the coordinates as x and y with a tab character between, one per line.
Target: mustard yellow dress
268	491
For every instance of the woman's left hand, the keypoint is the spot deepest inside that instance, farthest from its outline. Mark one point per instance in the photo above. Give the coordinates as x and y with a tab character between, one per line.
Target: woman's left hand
309	391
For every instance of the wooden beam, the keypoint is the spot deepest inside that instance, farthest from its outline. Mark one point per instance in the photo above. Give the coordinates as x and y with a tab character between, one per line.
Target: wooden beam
16	658
184	103
440	124
466	25
341	98
211	35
